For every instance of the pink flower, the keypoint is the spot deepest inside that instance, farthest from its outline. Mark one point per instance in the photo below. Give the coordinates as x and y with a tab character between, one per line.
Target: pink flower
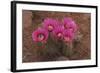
68	35
58	32
40	35
50	24
70	24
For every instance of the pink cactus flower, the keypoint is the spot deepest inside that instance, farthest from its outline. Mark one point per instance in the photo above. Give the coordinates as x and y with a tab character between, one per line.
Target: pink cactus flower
70	24
68	35
50	24
58	32
40	35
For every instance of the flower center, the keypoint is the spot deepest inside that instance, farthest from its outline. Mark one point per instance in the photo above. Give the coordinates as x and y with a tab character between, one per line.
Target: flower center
71	29
41	37
59	34
50	27
67	39
66	26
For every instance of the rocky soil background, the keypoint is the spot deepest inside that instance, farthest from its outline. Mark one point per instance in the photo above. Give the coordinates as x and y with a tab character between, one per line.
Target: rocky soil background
33	19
